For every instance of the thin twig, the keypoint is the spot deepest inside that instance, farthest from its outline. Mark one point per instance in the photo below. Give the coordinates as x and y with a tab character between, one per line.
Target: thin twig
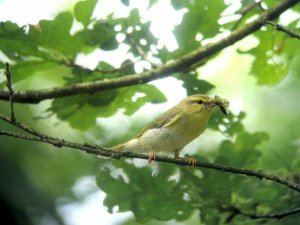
247	8
107	152
35	96
139	50
277	216
278	27
21	126
59	143
244	11
10	91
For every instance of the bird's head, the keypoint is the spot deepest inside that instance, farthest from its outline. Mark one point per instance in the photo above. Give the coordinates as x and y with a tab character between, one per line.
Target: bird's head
204	103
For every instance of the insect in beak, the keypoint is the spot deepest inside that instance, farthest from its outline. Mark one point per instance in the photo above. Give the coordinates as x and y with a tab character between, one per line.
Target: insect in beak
222	109
222	103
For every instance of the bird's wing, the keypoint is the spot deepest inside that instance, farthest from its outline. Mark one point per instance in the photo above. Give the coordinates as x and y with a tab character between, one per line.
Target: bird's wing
173	120
165	120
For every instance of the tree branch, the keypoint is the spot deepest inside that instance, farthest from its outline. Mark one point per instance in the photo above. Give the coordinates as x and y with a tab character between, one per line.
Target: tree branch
244	11
278	27
35	96
249	7
235	211
107	152
139	50
10	91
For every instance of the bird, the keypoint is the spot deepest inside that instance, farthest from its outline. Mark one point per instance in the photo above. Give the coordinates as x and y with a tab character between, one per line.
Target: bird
175	128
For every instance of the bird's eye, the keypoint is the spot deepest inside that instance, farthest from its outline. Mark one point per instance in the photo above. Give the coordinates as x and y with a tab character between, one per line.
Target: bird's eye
199	101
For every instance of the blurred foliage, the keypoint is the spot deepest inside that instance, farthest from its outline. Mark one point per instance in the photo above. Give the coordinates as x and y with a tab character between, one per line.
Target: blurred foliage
275	55
193	84
201	19
36	179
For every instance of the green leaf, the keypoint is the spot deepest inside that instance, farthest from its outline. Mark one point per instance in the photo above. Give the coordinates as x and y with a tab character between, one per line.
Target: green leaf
229	125
152	2
14	41
25	70
83	11
104	66
143	200
270	64
145	94
140	31
177	4
265	194
193	85
125	2
102	34
127	67
243	151
134	17
202	17
43	35
297	8
81	111
110	44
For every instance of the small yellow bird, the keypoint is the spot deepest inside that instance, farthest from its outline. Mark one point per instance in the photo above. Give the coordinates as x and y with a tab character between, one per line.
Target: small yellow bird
175	128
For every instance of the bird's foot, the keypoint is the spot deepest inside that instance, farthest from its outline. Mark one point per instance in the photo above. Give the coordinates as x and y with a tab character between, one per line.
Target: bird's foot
151	157
192	162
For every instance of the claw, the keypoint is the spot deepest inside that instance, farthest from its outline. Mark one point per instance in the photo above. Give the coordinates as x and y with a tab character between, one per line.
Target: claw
192	162
151	157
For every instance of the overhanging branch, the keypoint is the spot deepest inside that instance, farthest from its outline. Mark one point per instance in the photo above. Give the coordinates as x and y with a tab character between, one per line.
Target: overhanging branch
35	96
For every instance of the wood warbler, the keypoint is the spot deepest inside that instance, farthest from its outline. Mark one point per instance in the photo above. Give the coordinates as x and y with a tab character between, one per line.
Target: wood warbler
175	128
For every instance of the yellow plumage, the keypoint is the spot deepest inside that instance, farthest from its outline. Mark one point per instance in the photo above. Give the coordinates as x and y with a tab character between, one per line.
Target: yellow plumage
176	127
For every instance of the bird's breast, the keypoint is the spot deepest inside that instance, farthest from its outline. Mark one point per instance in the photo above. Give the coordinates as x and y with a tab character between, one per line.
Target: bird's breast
177	135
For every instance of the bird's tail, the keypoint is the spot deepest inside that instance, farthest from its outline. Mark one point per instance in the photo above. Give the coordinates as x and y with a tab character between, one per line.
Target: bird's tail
119	147
115	148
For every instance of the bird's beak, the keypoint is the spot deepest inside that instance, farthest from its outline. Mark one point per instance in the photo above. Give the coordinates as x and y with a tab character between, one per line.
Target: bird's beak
211	103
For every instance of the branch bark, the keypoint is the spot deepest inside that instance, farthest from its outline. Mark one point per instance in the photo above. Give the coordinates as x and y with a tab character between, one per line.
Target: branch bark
278	27
35	96
107	152
245	10
277	216
10	91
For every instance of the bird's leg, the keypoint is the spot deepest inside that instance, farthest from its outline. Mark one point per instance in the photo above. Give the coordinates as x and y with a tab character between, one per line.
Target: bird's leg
192	161
151	156
176	154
